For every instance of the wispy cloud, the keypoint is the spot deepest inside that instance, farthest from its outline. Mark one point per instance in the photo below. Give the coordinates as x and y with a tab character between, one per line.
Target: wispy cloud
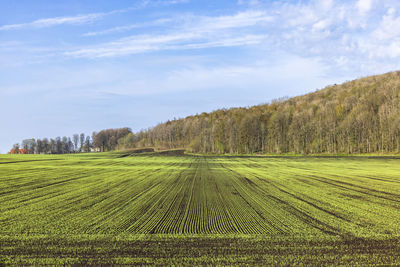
198	32
239	20
88	18
125	28
49	22
143	44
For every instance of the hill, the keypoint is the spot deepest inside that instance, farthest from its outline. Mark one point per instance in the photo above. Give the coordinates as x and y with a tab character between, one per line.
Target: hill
360	116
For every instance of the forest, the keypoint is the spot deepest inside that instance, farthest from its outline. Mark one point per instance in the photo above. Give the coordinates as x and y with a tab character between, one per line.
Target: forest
360	116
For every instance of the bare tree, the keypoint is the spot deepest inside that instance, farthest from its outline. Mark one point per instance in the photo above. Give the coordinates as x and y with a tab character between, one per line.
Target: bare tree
82	139
75	138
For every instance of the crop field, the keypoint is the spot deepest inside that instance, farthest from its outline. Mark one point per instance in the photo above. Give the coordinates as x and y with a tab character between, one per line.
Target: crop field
116	208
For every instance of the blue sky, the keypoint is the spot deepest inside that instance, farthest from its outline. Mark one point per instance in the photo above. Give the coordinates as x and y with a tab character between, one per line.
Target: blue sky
81	66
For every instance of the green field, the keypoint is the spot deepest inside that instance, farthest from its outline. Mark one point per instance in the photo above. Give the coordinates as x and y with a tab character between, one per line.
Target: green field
116	208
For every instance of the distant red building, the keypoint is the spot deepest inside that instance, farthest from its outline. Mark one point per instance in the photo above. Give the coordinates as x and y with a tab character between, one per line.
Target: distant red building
21	151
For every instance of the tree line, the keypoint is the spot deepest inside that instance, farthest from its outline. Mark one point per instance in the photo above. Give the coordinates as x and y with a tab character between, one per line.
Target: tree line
105	140
58	145
360	116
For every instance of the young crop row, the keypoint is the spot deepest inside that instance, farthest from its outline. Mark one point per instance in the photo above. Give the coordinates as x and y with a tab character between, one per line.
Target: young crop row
105	194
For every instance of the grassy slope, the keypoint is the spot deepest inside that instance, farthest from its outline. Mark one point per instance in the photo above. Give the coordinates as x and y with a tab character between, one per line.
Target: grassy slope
104	208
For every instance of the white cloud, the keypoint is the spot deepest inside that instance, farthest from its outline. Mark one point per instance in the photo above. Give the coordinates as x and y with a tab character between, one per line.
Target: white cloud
200	32
389	27
125	28
239	20
326	4
144	44
48	22
86	18
199	23
131	45
349	36
364	6
321	25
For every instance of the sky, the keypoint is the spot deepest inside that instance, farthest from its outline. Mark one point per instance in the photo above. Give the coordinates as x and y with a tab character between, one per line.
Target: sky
78	66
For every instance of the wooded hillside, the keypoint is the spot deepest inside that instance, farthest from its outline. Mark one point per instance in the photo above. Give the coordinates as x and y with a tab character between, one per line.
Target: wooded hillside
361	116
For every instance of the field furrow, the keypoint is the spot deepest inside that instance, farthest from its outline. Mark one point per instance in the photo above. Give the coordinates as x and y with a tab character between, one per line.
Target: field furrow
204	196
